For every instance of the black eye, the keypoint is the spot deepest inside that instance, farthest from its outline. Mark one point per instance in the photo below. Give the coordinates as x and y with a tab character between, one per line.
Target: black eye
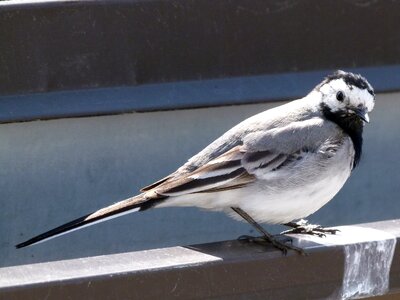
340	96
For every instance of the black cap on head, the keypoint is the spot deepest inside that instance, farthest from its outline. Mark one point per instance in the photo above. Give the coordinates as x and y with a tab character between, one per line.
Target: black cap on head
351	79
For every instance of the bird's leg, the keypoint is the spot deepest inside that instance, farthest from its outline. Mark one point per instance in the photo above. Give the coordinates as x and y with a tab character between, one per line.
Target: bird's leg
304	227
265	236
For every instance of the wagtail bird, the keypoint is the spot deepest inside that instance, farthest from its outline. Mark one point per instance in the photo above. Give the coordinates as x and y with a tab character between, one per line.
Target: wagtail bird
275	167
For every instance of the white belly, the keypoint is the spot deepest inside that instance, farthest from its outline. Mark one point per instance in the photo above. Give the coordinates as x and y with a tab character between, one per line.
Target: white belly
286	206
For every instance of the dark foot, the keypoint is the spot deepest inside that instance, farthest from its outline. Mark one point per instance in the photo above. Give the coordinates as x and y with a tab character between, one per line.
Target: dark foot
304	227
266	237
280	244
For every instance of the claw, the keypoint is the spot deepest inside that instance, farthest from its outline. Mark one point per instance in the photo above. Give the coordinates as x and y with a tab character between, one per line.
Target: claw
252	239
279	244
266	237
304	227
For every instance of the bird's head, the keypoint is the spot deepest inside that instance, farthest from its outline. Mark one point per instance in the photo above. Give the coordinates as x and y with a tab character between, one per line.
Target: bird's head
347	96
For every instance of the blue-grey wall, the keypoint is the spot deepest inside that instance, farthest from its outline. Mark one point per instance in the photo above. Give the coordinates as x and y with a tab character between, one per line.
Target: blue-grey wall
54	171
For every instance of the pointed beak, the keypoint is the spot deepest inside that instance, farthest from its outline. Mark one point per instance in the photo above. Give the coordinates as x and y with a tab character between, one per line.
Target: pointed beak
362	113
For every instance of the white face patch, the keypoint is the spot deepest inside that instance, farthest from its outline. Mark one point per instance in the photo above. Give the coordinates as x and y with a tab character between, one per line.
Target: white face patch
354	97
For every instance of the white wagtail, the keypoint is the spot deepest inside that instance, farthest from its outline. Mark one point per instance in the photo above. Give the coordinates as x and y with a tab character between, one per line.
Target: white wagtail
278	166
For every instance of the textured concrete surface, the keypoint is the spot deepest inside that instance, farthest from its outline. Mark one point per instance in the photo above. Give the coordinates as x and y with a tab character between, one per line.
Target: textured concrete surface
54	171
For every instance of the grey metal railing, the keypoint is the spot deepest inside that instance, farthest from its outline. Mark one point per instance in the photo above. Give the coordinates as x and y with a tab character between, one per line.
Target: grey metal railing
361	261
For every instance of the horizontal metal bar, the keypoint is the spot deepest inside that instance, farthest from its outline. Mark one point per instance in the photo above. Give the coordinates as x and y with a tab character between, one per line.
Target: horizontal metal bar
178	95
360	261
133	42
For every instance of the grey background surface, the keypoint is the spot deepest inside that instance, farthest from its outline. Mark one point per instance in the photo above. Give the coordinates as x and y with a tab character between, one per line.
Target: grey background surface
54	171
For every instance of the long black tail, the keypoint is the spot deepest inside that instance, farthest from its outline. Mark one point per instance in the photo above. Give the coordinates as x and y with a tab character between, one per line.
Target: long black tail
127	206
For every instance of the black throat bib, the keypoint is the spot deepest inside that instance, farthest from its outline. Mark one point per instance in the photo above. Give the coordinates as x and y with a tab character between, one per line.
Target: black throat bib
351	125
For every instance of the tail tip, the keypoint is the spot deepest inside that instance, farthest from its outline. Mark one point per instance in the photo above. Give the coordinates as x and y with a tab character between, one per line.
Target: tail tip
19	246
23	245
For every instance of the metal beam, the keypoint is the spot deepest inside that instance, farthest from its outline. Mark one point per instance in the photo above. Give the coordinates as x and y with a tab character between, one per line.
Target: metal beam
360	261
135	55
66	45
